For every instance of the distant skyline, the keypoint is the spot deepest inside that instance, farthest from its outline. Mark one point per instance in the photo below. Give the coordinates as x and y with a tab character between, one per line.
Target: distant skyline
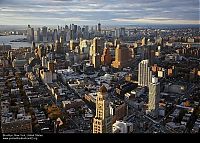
90	12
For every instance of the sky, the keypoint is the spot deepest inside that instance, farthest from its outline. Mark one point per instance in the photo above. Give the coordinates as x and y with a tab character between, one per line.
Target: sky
90	12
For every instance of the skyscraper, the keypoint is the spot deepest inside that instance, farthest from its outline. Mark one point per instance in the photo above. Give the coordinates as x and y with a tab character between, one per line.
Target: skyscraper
44	33
33	47
99	27
148	52
116	42
96	60
97	45
58	48
102	120
106	57
154	97
144	41
122	32
41	51
62	41
144	73
30	34
55	35
122	56
37	35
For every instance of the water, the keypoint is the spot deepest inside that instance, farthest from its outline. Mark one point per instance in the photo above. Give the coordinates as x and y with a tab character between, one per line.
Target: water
6	40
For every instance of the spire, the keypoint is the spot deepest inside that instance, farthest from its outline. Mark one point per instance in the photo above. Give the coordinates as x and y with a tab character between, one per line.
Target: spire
103	89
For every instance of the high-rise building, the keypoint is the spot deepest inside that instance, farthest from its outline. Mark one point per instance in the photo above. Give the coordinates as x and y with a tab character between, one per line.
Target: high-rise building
73	44
85	31
144	41
37	35
117	32
116	42
148	52
144	73
44	61
55	35
106	58
30	34
44	34
102	120
73	29
122	127
159	41
68	34
122	57
154	97
96	60
62	41
49	35
33	47
41	51
46	76
84	46
122	32
51	66
97	46
99	27
58	48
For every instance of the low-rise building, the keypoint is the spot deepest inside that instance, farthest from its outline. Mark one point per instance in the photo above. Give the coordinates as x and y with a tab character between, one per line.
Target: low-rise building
122	127
118	110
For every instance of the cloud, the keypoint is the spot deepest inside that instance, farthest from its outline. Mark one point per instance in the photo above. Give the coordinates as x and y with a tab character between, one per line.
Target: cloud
92	11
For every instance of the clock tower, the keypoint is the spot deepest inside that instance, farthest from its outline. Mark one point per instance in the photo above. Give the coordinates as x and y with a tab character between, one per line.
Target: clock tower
102	120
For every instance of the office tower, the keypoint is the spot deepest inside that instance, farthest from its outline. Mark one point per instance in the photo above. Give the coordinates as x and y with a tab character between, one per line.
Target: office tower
79	33
46	76
85	31
99	27
44	34
58	48
106	57
73	44
41	51
154	97
97	46
144	41
96	60
84	46
55	35
122	32
144	73
68	34
66	27
102	120
148	52
37	35
116	42
159	41
73	29
62	41
44	61
33	47
49	35
51	66
117	33
122	57
30	34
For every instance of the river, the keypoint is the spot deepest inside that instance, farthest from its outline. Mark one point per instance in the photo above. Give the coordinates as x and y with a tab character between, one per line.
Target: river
6	40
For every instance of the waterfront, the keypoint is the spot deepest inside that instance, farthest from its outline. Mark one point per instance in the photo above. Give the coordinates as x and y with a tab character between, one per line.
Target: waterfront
6	40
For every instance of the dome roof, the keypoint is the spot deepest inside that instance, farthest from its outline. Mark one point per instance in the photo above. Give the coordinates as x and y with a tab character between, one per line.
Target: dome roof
103	89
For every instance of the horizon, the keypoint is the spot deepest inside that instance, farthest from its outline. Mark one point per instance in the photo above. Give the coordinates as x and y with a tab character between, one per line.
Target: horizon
87	12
